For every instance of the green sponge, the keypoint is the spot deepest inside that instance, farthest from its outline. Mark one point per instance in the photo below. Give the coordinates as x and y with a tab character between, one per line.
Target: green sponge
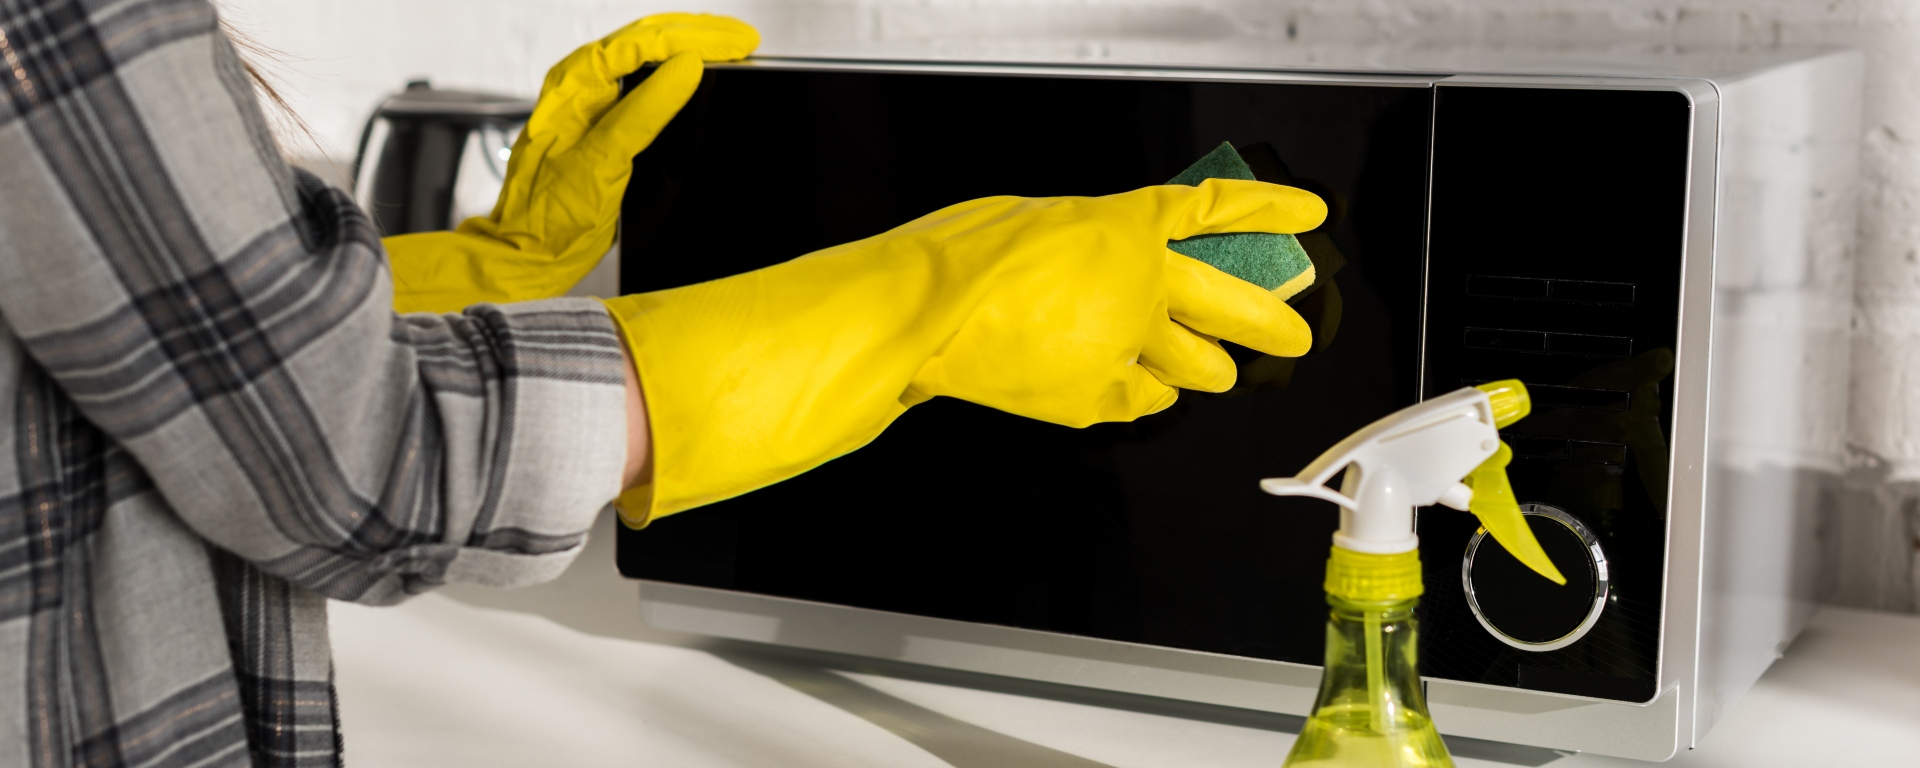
1272	261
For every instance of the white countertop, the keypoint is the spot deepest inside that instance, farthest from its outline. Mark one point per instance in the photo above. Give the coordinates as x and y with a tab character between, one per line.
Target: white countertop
565	674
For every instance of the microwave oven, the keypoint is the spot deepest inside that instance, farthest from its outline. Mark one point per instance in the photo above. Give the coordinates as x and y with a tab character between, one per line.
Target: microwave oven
1664	257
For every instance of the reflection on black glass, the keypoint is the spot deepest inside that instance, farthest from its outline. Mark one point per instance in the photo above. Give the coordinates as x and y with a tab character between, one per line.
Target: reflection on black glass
1604	434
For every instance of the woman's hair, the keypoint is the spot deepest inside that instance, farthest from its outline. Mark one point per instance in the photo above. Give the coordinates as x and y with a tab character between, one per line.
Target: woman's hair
256	56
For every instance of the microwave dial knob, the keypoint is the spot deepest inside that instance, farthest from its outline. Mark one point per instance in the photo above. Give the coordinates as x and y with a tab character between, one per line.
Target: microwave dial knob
1525	610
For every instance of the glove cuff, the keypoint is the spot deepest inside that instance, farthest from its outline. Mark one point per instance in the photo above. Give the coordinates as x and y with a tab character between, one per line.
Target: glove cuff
728	418
635	506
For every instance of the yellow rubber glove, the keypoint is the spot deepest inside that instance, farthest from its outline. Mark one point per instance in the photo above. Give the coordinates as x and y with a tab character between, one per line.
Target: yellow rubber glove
1069	310
555	216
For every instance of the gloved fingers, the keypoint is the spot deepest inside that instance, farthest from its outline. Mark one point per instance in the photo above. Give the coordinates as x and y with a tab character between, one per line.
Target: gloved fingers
1146	394
660	36
1226	307
1178	357
1232	205
639	117
584	84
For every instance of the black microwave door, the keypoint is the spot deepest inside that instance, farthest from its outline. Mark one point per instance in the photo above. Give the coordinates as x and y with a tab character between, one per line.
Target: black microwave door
1150	532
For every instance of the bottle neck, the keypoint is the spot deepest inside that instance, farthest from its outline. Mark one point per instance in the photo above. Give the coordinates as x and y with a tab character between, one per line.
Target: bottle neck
1370	710
1372	663
1383	611
1372	639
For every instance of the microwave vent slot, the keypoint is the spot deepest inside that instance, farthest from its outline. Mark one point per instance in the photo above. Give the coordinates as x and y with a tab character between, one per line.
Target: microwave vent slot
1543	342
1596	452
1562	449
1536	447
1558	396
1585	344
1545	289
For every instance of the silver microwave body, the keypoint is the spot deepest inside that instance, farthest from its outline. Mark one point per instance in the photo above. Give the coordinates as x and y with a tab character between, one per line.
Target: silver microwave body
1759	392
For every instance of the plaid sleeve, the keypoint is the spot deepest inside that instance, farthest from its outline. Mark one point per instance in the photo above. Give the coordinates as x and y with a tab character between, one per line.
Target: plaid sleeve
228	321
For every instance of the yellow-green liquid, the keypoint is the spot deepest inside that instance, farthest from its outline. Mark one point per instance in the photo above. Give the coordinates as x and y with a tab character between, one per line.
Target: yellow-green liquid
1346	737
1370	711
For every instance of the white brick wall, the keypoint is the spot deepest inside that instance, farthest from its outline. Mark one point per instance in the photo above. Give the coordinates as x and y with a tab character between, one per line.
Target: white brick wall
350	52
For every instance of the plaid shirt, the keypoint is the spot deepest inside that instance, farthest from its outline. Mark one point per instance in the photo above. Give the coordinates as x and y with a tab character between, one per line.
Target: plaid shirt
211	420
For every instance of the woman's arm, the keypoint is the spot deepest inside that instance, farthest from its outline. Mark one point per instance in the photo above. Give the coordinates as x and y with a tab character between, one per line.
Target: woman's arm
229	322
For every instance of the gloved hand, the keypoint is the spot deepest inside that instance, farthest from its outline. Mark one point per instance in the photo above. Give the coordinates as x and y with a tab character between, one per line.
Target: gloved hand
555	216
1069	310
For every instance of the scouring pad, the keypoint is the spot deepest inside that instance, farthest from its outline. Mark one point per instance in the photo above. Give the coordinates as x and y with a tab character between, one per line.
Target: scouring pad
1275	262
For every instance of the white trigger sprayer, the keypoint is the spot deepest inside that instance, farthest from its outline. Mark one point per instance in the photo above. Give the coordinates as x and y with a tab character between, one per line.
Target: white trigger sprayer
1447	450
1434	452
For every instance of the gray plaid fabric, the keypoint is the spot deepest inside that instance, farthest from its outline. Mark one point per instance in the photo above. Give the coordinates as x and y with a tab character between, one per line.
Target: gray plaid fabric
211	421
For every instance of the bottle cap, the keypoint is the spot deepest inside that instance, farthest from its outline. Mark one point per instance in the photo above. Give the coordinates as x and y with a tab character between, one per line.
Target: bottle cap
1509	399
1362	577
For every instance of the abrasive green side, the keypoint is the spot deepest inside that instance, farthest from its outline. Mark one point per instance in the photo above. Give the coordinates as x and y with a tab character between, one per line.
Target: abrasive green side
1222	163
1264	259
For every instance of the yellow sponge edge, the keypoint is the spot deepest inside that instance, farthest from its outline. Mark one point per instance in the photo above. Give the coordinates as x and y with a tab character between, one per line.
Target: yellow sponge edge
1293	287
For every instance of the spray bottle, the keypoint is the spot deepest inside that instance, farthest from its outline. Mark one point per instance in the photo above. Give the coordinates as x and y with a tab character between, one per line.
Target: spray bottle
1447	450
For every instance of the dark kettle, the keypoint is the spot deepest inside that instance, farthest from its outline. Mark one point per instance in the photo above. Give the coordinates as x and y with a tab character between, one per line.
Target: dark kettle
437	156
